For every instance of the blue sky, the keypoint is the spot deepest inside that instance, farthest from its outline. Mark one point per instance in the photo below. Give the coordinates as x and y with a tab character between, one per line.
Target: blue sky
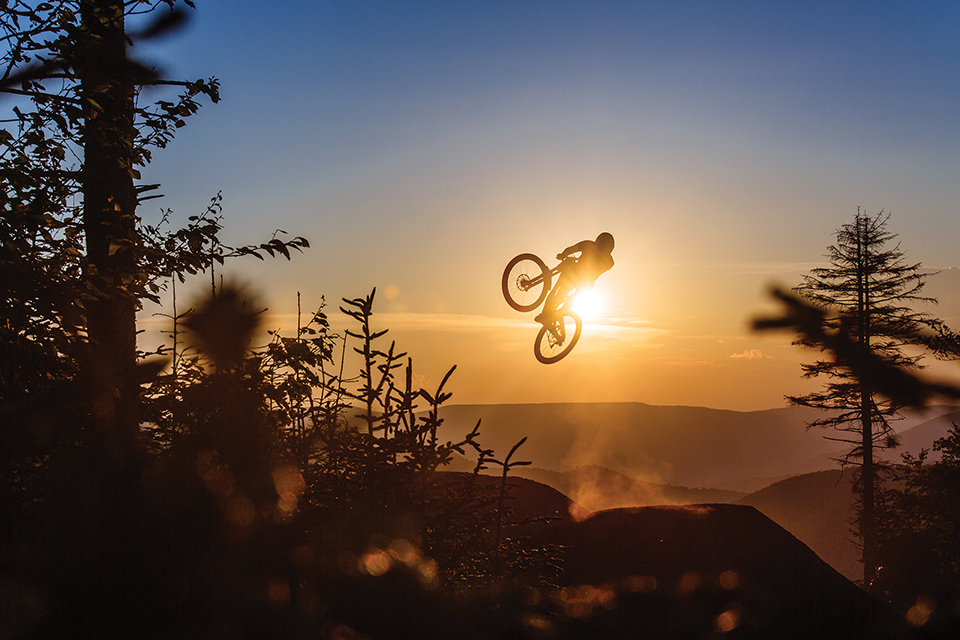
420	145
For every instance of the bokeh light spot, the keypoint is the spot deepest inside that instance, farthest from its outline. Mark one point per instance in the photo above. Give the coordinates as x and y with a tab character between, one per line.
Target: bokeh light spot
403	551
919	614
429	573
278	592
240	511
729	580
688	583
729	619
640	584
375	562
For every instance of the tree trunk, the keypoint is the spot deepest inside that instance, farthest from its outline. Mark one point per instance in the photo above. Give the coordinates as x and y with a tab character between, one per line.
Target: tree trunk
867	498
109	217
864	331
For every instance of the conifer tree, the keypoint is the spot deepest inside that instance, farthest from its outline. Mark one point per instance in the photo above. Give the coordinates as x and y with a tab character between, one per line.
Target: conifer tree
869	287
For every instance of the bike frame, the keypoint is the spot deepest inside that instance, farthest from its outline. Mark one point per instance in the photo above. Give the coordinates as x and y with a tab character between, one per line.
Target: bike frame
558	270
557	329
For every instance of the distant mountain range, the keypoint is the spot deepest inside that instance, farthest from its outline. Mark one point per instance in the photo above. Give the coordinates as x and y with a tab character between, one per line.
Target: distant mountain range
678	446
791	472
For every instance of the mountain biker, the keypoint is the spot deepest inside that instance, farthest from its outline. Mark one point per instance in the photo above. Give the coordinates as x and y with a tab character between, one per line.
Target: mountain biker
594	260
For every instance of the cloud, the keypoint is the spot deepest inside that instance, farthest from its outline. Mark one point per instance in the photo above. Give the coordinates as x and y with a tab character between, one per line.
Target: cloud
750	354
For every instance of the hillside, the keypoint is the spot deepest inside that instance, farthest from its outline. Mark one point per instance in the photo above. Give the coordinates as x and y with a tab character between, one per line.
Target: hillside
684	446
918	431
922	436
698	570
816	508
533	503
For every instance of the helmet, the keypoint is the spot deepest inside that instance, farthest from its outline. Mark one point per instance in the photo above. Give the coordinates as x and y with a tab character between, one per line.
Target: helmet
605	242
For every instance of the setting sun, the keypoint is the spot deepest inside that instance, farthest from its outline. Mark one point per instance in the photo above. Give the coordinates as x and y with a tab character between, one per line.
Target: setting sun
588	303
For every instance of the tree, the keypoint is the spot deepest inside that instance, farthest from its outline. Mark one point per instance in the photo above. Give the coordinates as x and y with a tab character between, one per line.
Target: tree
869	286
77	261
80	132
75	275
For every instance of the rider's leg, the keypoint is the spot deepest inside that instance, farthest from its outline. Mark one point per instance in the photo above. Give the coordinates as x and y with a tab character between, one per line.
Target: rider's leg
554	299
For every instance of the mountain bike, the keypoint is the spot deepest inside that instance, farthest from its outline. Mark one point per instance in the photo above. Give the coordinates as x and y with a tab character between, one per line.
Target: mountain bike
526	283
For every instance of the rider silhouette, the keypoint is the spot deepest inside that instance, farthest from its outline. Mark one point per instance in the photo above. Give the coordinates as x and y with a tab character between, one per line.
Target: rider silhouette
594	260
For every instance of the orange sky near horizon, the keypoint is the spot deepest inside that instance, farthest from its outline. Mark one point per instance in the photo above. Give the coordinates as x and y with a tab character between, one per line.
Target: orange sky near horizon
697	351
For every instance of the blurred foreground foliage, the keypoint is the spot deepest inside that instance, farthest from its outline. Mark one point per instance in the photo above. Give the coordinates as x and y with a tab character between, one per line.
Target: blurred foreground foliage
271	494
243	493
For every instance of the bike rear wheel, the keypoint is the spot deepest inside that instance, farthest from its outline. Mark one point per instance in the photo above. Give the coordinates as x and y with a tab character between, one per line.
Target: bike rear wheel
556	340
526	282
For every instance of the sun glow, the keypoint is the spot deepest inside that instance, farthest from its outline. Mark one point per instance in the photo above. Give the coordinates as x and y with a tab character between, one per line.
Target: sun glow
588	303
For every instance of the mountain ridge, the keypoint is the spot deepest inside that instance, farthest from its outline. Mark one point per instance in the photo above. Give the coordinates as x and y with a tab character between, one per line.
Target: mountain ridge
675	444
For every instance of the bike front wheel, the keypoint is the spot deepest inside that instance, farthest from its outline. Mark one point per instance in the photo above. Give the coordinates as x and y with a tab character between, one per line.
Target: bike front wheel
558	338
526	282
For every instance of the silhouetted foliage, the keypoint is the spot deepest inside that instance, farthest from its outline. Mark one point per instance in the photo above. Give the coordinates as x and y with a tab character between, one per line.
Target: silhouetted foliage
77	259
234	494
266	505
79	132
855	310
919	547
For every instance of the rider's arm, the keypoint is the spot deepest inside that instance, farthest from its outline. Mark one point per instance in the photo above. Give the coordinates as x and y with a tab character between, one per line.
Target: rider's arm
576	248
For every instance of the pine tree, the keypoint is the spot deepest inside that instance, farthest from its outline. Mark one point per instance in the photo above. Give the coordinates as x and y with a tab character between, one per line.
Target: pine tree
868	287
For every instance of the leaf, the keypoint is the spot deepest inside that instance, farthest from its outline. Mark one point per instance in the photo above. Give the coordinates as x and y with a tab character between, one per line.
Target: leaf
169	21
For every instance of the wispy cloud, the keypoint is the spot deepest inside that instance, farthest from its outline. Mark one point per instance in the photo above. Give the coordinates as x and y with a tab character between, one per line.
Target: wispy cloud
750	354
611	325
411	321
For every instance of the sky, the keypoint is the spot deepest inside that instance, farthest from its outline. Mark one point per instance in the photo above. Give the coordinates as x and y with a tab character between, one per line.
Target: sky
419	146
